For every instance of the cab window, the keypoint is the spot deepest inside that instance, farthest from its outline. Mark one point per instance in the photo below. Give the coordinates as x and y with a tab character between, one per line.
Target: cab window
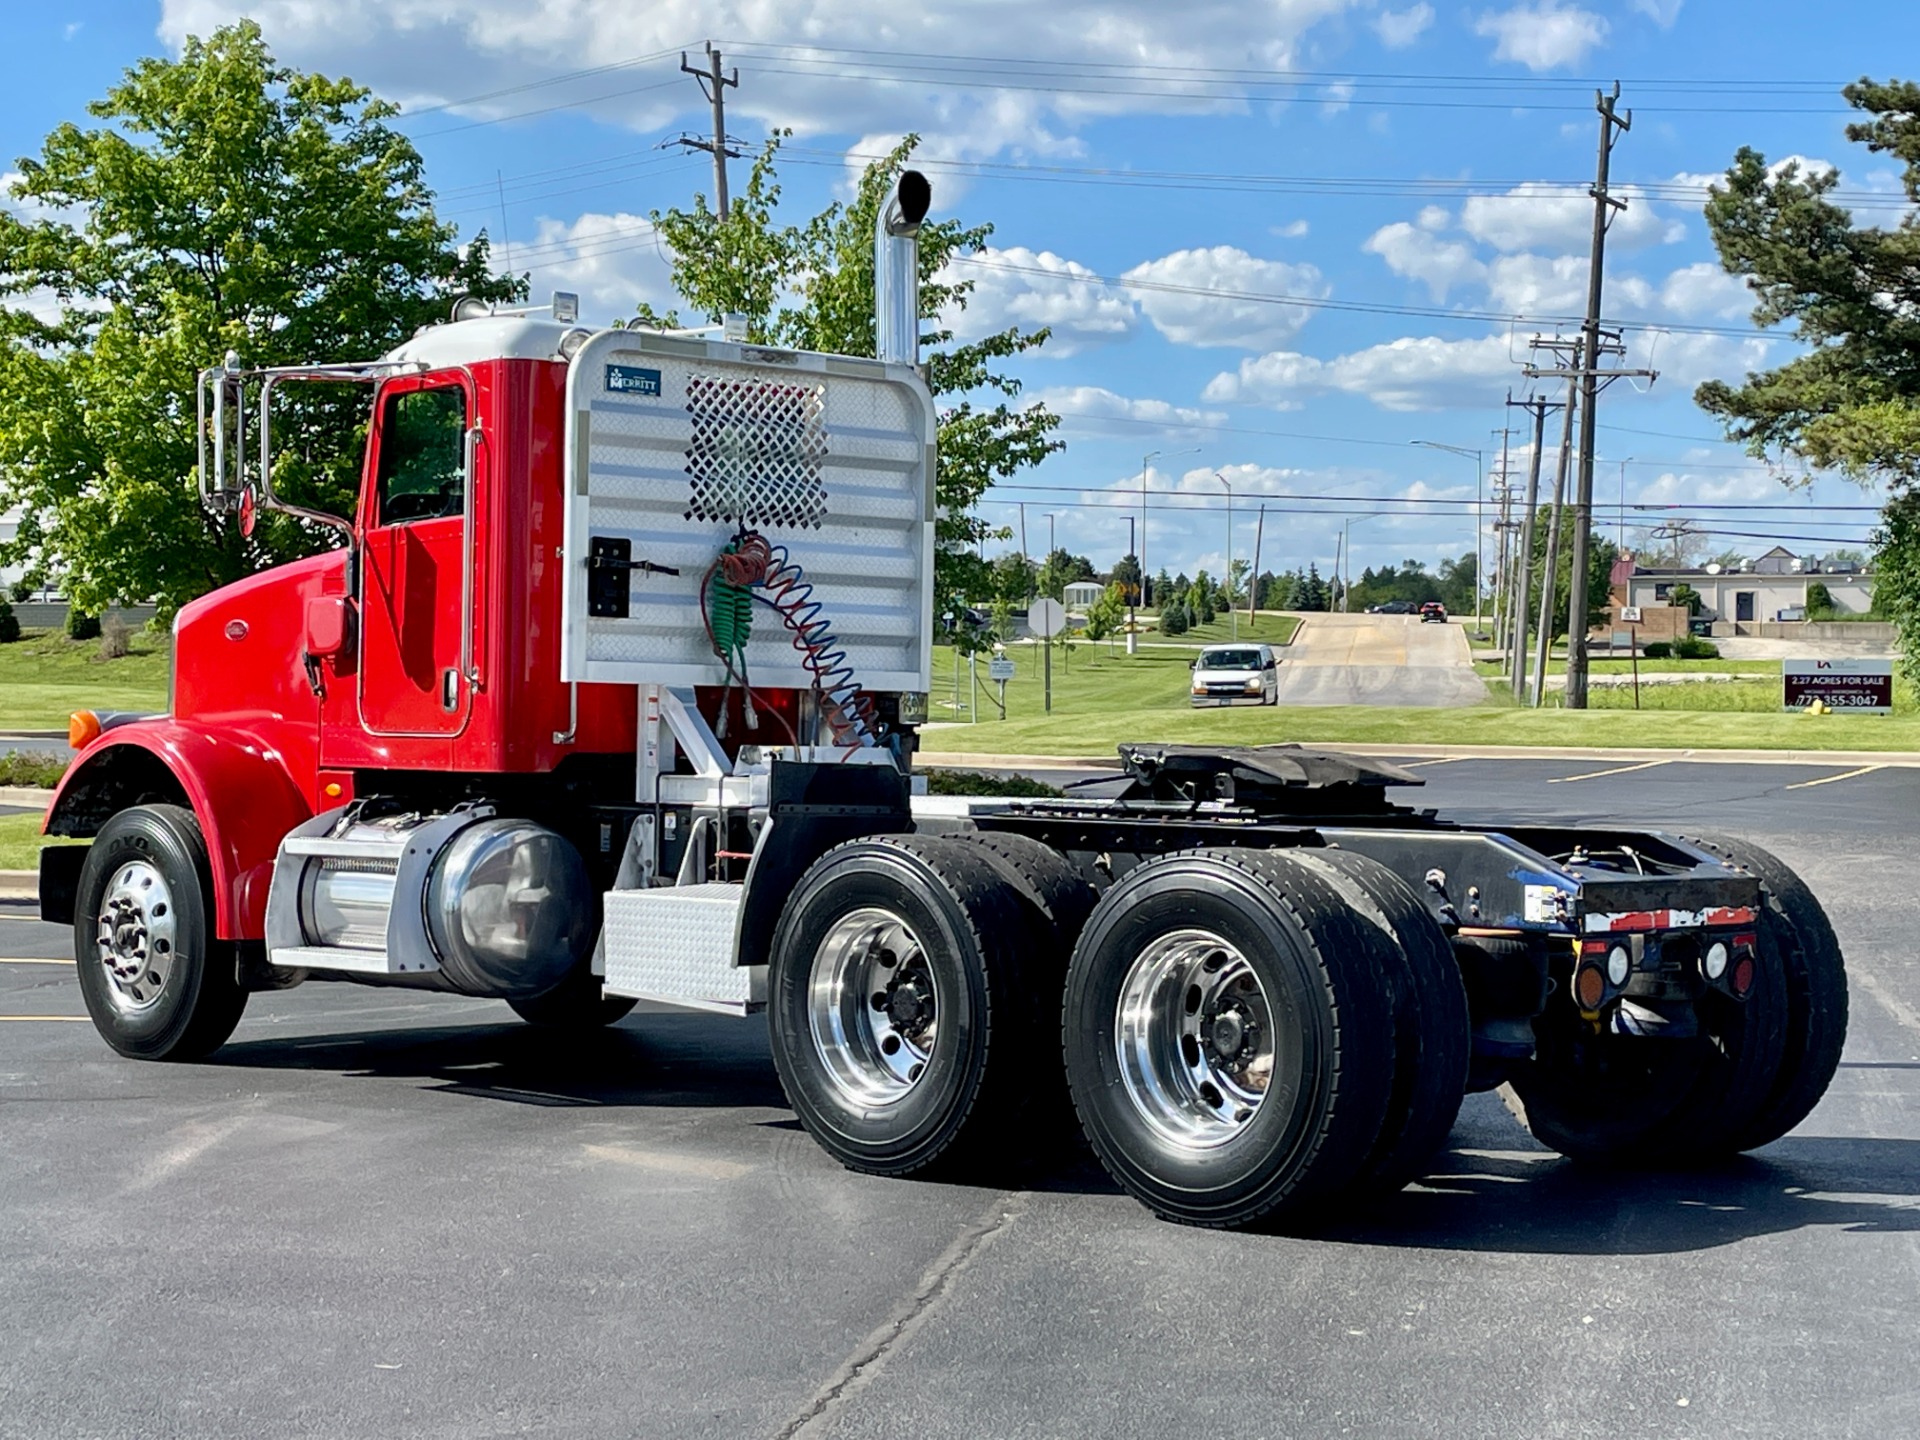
423	463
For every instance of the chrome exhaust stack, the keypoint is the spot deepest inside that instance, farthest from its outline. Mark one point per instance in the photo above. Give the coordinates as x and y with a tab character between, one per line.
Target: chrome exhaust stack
896	269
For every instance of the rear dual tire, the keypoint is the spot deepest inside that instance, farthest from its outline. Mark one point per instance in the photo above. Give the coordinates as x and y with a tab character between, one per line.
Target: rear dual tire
1233	1035
1757	1069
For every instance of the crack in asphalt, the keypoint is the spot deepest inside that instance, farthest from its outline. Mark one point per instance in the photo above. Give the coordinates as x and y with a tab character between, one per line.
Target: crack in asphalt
859	1368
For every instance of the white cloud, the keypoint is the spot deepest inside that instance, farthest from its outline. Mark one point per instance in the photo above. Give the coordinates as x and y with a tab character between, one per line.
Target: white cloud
1292	230
1542	35
1206	320
1398	29
1662	12
1539	216
432	51
1420	254
1339	97
1705	290
610	260
1412	373
1041	288
1685	360
1094	409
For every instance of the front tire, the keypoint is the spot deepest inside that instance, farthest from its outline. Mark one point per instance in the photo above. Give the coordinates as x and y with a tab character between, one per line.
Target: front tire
157	983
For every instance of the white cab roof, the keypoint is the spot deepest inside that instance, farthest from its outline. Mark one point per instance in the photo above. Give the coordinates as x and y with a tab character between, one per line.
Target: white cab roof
492	337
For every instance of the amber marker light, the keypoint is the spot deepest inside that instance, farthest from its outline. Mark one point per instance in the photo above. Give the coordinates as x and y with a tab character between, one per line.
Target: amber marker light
83	728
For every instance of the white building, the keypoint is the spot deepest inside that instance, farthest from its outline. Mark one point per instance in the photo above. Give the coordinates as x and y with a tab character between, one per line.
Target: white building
1775	588
1081	594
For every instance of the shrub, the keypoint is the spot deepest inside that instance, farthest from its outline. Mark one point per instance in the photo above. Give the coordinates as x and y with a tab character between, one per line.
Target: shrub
116	638
82	626
1819	600
30	769
1692	647
969	782
1657	650
1173	620
9	624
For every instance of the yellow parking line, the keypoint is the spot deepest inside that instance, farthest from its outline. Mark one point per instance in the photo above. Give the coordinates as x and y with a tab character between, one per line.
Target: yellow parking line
31	960
75	1019
1617	770
1829	779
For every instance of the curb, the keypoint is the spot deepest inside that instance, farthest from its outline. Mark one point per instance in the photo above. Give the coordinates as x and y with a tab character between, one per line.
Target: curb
25	795
1908	759
19	885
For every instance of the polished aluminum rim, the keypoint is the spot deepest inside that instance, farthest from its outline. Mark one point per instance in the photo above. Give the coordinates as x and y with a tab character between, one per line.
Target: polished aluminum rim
871	1007
1194	1038
134	937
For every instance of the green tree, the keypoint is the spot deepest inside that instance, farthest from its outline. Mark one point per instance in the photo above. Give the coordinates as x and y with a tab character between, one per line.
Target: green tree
1159	587
810	287
1060	570
1851	400
1107	614
1601	554
1686	596
1126	574
227	203
1012	578
1311	592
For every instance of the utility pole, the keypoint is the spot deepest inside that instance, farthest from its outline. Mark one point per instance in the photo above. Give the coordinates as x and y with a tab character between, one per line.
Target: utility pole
1551	575
1523	572
1611	126
1500	607
714	85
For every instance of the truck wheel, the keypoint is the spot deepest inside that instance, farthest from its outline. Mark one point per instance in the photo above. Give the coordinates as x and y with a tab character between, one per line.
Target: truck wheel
1816	990
897	1007
157	983
1229	1037
1055	900
1433	1037
574	1004
1639	1101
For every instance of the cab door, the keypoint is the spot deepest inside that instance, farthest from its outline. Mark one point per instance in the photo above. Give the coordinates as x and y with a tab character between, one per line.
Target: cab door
419	603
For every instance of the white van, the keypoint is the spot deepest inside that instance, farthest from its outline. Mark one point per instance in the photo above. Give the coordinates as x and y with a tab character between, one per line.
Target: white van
1236	675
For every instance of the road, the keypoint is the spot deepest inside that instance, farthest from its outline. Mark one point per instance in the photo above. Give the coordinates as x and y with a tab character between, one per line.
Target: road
1378	660
375	1215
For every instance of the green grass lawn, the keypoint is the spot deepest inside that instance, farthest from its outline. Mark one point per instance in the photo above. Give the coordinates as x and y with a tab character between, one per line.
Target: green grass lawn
20	842
1101	700
1558	666
45	677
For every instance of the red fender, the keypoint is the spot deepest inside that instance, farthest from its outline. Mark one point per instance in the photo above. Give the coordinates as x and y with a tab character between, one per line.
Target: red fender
241	792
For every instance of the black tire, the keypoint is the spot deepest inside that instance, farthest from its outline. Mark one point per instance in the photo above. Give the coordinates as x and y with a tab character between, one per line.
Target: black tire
961	960
1816	989
576	1003
1210	1157
1055	900
173	992
1433	1037
1631	1101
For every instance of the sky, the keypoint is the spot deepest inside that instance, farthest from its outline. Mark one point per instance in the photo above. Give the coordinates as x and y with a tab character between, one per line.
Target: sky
1293	246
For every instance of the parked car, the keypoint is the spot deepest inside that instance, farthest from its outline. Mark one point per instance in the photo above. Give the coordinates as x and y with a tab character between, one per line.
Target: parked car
1393	607
1433	612
1236	675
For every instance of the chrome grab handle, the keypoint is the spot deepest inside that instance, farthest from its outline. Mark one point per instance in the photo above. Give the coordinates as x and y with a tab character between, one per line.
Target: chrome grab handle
468	671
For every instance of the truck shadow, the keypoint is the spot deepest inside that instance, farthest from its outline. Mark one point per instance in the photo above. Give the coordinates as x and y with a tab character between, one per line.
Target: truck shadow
667	1061
1493	1191
1521	1202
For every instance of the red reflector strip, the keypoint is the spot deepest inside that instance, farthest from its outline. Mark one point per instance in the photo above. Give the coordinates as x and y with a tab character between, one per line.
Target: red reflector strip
1748	941
1635	921
1729	915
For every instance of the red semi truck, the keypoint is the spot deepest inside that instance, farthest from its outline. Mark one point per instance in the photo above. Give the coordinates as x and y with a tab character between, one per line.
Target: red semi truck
610	692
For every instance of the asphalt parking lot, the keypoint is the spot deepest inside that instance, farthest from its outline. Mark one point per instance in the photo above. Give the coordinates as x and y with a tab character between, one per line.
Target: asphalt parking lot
376	1215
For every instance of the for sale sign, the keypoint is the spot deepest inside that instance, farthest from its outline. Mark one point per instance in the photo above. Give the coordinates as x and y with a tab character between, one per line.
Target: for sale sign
1862	687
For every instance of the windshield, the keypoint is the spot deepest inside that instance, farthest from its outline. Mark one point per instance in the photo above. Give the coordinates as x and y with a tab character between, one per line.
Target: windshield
1230	660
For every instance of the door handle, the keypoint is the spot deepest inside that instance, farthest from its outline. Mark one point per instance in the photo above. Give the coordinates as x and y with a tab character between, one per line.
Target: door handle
450	689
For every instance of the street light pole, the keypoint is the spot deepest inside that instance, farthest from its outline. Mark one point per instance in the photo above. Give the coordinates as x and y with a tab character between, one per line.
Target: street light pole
1232	609
1479	511
1146	469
